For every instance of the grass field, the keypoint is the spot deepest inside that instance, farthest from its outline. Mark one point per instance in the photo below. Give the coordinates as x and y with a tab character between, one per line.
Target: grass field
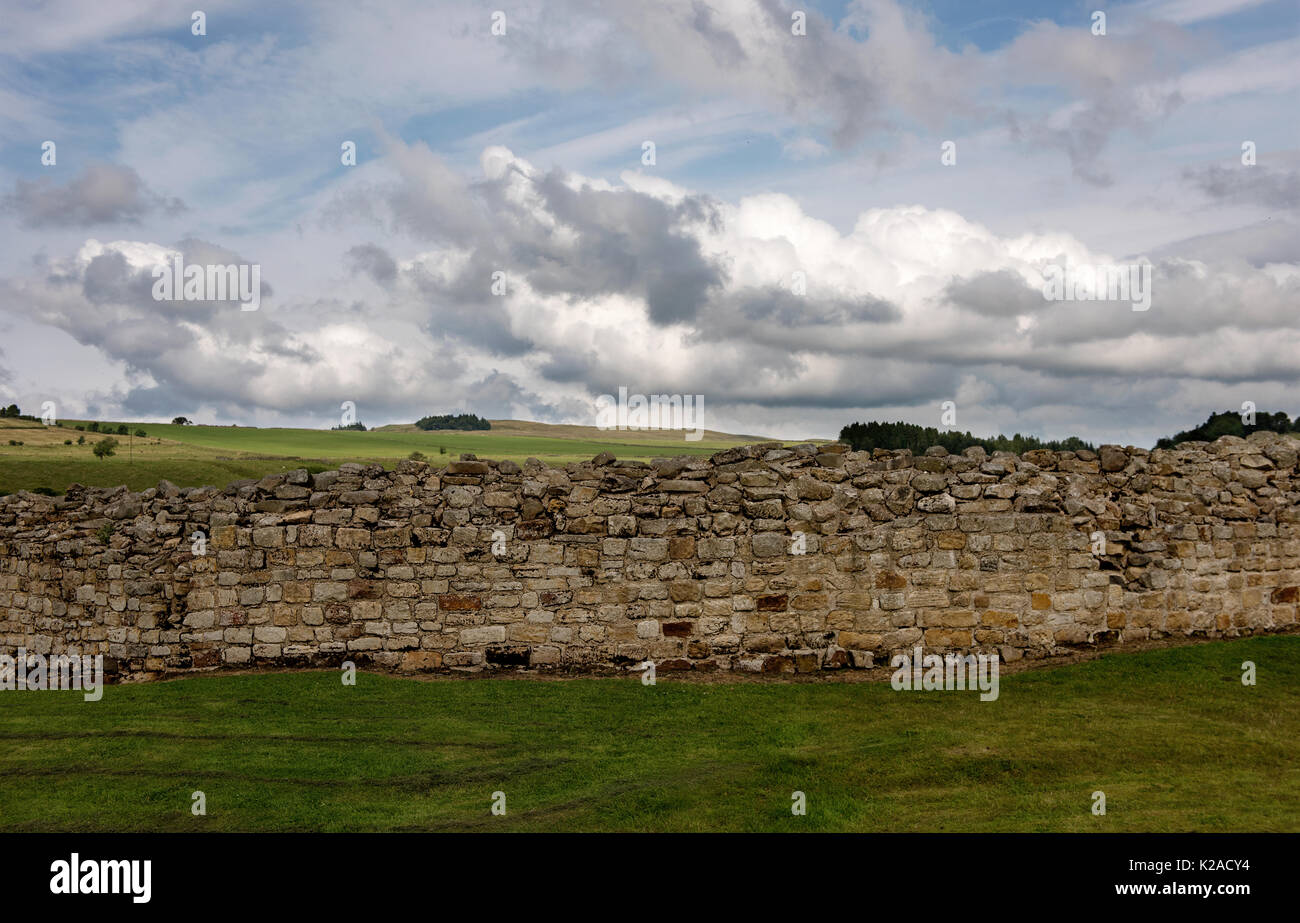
1171	736
191	456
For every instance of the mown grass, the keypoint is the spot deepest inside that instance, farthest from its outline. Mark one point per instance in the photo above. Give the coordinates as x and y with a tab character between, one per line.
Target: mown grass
192	456
1172	737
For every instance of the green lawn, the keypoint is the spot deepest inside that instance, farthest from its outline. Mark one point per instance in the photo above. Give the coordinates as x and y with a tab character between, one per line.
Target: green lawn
192	456
1171	736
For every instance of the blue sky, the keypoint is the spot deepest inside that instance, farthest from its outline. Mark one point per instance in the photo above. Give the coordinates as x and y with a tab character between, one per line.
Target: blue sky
776	155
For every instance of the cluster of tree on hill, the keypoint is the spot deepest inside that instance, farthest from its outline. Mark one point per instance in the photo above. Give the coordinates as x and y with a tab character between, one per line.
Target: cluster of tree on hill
453	421
875	435
359	427
94	426
1232	423
13	412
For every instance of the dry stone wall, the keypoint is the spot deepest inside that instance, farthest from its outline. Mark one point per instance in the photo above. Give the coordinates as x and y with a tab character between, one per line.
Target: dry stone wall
689	562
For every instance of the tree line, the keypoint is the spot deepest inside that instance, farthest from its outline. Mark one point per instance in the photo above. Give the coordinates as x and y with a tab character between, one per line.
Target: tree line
878	435
463	421
1233	423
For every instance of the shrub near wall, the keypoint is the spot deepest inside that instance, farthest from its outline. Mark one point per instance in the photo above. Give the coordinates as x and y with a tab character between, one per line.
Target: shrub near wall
687	562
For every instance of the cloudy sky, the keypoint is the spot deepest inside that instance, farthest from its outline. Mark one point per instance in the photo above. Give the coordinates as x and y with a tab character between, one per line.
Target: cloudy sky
797	250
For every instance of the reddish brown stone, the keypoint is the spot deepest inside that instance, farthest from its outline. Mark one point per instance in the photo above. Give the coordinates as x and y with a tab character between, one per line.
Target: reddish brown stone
205	658
453	603
836	659
681	591
467	467
363	589
779	663
419	661
805	662
531	529
995	618
681	547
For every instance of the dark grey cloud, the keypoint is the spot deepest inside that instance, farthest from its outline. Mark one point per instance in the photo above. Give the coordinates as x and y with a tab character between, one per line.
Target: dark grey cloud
463	306
499	395
722	43
100	194
563	238
765	376
1090	130
780	307
1243	185
569	366
109	279
628	243
1273	240
1003	293
777	329
1187	300
374	261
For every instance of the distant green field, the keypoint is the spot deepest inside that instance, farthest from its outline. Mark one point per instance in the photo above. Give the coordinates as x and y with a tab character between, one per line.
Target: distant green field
1172	738
191	456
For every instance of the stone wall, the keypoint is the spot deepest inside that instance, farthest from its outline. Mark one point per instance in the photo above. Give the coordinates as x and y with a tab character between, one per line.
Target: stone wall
689	562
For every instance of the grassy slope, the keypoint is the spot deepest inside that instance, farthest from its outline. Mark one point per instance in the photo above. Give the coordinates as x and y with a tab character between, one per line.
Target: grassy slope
1172	737
196	455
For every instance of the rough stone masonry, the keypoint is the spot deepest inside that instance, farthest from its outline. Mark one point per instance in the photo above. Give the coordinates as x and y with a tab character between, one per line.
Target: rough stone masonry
688	562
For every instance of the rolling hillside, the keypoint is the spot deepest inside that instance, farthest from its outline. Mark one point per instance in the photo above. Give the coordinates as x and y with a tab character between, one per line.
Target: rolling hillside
197	455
